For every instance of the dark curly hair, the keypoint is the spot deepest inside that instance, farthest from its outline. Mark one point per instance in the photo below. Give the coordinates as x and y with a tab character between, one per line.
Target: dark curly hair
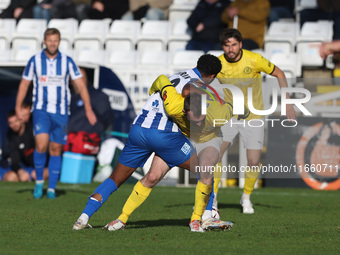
227	33
208	64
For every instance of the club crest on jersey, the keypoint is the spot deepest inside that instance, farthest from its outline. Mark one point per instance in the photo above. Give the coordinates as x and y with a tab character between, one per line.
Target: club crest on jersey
247	70
155	105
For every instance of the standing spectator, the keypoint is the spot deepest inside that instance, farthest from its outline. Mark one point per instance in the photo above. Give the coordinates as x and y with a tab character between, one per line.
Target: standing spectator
326	10
205	24
18	148
113	9
50	71
19	9
148	9
100	105
252	20
281	9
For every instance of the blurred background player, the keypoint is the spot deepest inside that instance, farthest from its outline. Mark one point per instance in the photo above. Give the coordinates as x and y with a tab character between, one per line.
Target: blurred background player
50	71
18	150
243	68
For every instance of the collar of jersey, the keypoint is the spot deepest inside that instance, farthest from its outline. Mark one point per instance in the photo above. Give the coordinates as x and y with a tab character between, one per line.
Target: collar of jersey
236	60
43	55
197	72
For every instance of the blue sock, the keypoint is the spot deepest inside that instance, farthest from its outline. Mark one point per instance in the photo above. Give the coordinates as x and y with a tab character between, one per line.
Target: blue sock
105	190
54	166
39	164
211	199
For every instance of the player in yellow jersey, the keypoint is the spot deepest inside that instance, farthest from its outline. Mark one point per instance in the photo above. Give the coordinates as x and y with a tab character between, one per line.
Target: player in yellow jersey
243	68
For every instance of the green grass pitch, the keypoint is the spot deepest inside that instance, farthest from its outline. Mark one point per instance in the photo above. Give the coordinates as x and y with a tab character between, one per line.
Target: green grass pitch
286	221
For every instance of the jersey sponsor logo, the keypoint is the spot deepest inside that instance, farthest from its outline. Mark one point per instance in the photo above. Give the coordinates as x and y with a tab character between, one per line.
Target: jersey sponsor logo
43	78
186	148
247	70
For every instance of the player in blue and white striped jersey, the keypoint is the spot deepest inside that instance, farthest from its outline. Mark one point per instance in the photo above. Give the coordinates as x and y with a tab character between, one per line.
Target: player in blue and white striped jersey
50	71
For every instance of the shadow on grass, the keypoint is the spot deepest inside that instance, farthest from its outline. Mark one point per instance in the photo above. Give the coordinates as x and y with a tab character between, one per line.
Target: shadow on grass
159	223
59	192
153	223
238	206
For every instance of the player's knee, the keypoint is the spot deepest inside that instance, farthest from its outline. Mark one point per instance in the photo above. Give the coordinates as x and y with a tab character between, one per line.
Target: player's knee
151	179
11	177
253	163
97	196
41	148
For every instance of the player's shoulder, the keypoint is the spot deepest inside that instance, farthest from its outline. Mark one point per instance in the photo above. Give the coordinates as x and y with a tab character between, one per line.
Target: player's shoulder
251	54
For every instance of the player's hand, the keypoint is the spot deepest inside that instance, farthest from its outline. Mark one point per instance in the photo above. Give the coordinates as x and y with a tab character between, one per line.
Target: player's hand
290	112
91	117
20	113
159	83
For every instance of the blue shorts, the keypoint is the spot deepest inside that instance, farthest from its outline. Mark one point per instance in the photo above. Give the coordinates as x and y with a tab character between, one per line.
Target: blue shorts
173	147
53	124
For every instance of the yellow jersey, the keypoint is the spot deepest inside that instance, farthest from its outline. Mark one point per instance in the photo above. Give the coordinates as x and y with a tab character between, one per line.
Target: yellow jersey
245	73
174	105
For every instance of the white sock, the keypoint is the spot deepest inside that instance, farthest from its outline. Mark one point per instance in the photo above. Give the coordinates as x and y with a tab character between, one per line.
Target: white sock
51	190
245	196
215	203
206	215
38	182
84	217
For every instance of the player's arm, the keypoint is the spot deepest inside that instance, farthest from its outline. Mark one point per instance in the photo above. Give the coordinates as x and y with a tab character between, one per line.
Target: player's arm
86	99
173	102
291	114
22	91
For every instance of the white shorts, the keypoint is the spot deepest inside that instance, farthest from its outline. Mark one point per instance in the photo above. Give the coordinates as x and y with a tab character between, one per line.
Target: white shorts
216	143
251	132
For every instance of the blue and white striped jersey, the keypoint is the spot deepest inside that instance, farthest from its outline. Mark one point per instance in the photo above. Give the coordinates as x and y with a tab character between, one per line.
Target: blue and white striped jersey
50	77
153	114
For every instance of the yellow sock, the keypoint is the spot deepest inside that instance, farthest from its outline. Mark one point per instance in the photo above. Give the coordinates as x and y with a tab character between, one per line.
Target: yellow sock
217	176
137	197
202	195
251	176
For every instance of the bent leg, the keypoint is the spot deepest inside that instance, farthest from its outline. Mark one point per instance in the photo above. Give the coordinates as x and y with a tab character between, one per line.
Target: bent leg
143	187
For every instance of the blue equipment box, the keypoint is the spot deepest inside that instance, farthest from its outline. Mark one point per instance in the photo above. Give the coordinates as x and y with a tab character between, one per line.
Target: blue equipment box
77	168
